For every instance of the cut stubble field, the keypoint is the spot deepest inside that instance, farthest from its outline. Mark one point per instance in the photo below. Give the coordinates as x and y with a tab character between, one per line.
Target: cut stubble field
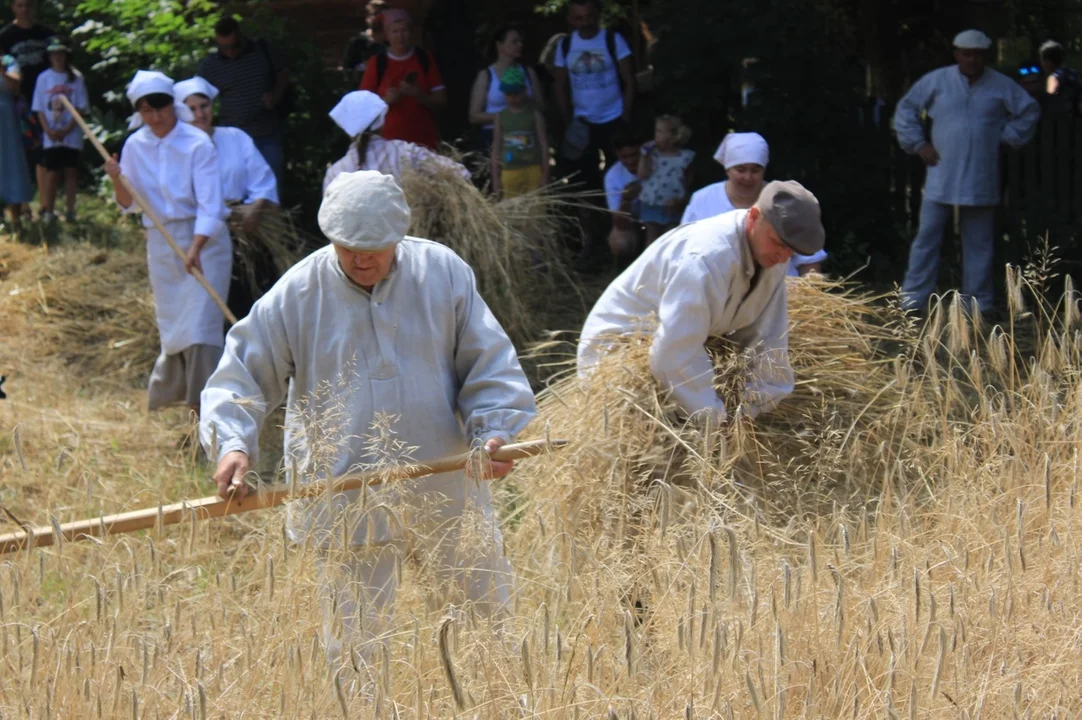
900	539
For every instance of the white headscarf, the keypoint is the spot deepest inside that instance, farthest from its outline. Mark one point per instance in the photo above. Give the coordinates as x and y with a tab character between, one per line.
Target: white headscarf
358	111
194	86
743	149
364	211
151	82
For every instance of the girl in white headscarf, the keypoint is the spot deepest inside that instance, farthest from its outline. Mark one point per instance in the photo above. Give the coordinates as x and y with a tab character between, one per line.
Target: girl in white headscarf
744	157
361	113
246	176
174	166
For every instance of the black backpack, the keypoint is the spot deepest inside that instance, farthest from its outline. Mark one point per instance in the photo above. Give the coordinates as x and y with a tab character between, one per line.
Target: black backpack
381	63
610	45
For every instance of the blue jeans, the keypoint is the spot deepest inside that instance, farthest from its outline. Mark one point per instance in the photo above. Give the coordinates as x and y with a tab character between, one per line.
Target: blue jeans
270	147
978	235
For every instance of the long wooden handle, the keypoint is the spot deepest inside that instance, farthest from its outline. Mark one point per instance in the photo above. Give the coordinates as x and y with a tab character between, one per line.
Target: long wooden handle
214	506
149	212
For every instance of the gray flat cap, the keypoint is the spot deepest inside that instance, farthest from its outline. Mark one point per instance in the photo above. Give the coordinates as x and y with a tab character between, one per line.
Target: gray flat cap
794	213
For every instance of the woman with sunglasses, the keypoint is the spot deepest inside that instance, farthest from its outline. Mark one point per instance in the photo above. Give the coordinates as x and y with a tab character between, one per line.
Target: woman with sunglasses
174	167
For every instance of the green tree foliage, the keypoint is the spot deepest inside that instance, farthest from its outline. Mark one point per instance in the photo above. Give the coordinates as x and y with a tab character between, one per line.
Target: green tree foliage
114	38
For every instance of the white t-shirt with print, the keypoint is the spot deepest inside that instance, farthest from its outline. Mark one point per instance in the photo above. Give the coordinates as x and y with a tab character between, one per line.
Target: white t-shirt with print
594	78
50	85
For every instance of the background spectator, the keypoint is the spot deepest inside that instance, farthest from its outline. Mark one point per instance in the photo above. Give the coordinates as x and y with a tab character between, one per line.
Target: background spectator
595	86
520	145
486	99
25	40
15	187
63	139
622	188
973	110
407	79
1031	80
1063	83
665	172
253	82
366	45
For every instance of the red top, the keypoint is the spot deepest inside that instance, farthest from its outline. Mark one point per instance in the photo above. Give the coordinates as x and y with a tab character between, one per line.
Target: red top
406	119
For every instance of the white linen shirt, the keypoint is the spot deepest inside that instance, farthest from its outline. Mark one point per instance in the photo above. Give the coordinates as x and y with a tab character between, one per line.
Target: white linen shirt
246	176
178	175
969	122
390	157
422	347
692	284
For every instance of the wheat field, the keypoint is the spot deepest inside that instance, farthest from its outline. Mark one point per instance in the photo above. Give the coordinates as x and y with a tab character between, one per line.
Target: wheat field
900	540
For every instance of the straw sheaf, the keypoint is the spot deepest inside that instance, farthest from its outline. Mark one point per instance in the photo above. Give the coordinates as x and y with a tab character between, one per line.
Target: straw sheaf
823	443
514	246
278	240
87	306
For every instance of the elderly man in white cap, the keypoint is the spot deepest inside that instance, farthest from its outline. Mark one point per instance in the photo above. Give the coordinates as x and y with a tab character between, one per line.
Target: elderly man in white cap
174	166
973	110
723	276
375	327
744	157
361	114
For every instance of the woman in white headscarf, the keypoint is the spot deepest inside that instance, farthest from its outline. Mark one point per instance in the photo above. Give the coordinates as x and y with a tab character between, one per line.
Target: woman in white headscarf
174	166
361	113
246	177
744	157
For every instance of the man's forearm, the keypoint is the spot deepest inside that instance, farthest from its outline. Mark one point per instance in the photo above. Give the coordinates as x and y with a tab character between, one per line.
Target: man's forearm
280	85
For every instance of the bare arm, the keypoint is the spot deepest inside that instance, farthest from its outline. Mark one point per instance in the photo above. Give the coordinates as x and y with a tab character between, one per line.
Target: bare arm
563	98
435	100
627	74
535	85
497	146
543	142
478	116
281	82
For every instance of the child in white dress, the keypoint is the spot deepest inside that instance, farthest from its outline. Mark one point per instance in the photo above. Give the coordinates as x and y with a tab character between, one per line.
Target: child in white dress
665	172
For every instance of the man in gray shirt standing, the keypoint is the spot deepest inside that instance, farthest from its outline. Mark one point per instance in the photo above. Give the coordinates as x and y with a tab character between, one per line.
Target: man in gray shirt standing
252	81
973	110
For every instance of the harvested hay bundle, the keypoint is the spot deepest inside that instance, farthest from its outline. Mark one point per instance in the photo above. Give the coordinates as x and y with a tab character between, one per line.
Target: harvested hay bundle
827	442
514	246
90	307
276	245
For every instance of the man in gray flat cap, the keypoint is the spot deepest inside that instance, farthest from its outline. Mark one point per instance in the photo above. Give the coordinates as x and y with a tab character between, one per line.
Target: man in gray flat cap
723	276
973	110
376	326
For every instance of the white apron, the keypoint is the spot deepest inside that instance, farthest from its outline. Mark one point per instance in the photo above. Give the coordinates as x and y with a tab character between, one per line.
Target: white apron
185	312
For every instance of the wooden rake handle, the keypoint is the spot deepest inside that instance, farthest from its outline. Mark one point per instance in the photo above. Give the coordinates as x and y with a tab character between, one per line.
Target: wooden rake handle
271	496
149	212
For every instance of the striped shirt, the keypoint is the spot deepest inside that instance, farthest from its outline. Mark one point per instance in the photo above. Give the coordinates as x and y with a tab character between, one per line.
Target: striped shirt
242	82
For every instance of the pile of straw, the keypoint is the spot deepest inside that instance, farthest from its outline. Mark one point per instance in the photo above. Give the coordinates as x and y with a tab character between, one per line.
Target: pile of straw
515	247
827	442
90	307
276	246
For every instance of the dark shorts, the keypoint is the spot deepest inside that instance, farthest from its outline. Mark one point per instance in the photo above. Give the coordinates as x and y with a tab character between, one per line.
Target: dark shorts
59	158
